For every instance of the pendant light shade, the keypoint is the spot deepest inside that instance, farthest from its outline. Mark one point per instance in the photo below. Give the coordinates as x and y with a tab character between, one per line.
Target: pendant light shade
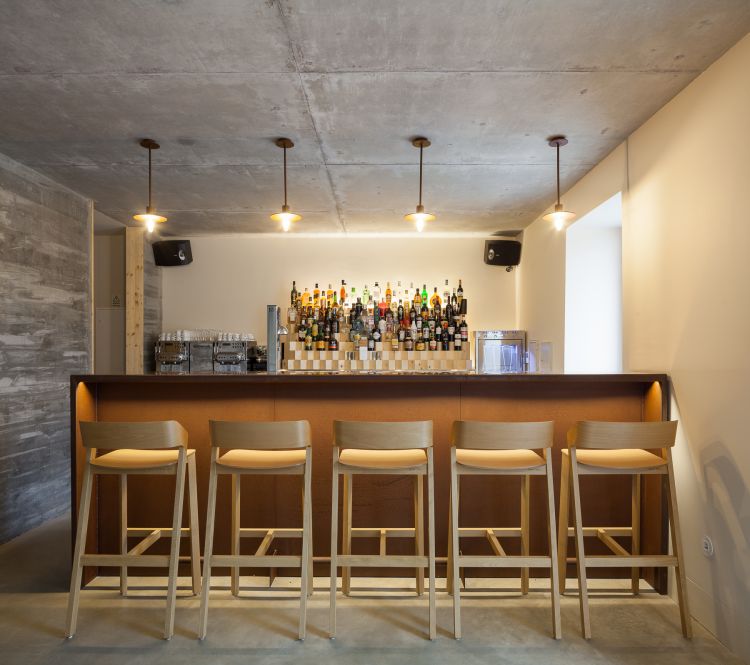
149	218
286	217
558	216
420	217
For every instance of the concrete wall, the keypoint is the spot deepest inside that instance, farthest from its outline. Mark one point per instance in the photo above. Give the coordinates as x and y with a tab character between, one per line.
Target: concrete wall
232	279
684	177
45	335
152	306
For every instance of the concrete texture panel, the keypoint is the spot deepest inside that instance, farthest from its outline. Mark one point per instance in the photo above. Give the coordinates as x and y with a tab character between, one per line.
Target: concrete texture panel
485	118
498	35
44	337
90	36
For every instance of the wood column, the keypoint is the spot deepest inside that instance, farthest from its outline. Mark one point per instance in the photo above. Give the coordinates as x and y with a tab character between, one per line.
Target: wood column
134	299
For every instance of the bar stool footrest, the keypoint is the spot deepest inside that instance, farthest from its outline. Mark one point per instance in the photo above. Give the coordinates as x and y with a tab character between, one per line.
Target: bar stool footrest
386	561
252	561
630	561
504	561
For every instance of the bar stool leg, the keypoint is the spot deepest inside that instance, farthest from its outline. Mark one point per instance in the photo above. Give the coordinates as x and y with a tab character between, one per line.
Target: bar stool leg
449	562
455	586
346	536
175	550
580	553
304	562
674	526
431	539
419	530
195	548
208	551
563	522
334	542
123	531
80	548
235	532
525	491
307	533
635	523
553	569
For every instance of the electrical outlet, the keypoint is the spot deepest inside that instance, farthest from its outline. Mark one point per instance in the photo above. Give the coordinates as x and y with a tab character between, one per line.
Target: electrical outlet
708	547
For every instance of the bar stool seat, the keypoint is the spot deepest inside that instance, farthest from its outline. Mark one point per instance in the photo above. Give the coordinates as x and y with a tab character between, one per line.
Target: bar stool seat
262	459
383	459
619	459
128	458
499	459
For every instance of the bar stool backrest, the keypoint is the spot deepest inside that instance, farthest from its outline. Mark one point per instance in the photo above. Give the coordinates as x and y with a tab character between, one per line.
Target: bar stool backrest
501	436
382	435
614	436
140	436
260	435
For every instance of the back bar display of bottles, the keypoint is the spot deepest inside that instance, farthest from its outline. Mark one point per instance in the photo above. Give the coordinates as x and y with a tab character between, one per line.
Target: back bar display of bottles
386	329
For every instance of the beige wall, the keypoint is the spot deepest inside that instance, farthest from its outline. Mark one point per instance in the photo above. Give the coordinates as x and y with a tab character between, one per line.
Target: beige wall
233	278
686	295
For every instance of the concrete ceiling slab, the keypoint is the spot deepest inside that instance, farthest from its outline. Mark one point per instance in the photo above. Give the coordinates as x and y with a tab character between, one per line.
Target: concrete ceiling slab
350	81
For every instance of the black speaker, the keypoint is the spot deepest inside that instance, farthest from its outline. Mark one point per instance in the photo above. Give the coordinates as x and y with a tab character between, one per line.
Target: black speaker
172	253
502	253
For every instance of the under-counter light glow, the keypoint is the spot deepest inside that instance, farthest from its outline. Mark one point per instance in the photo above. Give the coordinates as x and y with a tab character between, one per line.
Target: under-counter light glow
420	217
285	217
150	218
559	216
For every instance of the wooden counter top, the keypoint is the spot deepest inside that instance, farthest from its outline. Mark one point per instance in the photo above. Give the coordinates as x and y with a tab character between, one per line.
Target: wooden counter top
375	377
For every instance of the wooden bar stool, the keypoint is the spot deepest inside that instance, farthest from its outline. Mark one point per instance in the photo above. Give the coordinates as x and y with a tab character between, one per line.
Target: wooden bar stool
392	448
155	448
507	449
259	448
596	448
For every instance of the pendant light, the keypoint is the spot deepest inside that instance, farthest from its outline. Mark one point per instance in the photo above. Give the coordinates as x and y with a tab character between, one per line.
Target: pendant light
558	216
286	217
420	217
150	218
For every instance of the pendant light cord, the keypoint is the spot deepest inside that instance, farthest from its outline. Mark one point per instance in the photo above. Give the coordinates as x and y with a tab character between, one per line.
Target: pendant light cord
285	177
558	174
421	148
149	180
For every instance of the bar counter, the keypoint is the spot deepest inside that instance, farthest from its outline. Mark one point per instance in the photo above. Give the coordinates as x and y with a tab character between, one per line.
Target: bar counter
382	501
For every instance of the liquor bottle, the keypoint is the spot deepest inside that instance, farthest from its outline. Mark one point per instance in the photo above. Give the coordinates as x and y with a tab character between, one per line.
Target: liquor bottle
334	325
449	310
377	334
320	345
420	345
417	300
329	295
316	294
376	293
294	293
401	333
408	341
446	344
365	294
464	328
342	293
353	298
424	294
433	342
301	332
394	343
358	307
457	341
451	328
370	307
388	293
314	328
370	342
431	320
446	293
306	298
435	301
454	302
308	341
439	336
460	294
333	344
400	311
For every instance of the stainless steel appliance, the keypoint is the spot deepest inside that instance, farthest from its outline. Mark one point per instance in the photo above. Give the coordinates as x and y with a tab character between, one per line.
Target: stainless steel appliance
500	351
256	358
172	357
230	357
274	330
201	357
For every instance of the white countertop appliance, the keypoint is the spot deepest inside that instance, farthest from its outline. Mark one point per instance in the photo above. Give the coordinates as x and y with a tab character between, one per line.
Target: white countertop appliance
500	351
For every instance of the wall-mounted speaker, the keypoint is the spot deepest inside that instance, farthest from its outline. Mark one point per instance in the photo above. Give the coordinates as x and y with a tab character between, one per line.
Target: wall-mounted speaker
172	252
502	253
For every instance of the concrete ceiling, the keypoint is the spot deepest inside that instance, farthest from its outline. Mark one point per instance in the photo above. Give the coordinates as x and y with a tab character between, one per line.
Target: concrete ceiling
350	81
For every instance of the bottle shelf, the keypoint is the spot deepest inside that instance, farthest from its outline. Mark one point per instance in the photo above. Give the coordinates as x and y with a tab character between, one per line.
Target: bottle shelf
379	365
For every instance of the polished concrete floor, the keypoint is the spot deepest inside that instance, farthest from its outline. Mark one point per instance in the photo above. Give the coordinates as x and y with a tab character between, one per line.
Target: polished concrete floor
374	627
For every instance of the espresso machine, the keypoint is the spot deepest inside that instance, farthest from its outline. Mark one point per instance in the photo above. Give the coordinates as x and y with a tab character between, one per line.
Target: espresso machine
172	357
230	357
